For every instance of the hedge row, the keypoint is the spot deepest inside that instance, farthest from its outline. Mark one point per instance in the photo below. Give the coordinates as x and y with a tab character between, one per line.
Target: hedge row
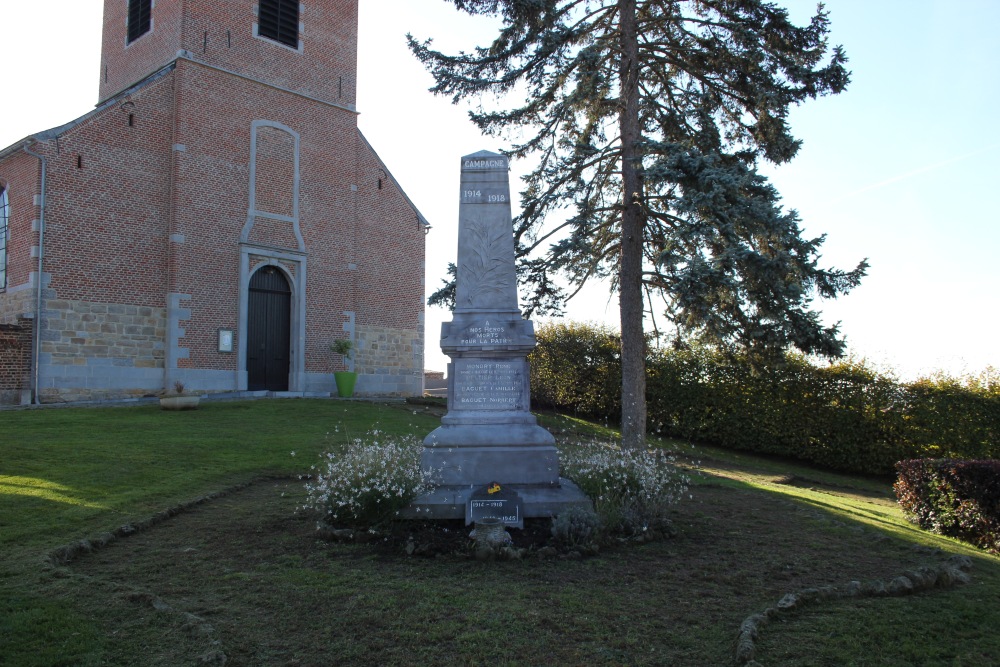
956	498
845	416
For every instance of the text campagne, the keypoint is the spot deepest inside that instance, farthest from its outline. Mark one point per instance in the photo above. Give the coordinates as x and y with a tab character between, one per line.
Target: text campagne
485	164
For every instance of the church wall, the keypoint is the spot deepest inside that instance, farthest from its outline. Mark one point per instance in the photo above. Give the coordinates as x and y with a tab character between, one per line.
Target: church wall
357	238
389	361
221	33
94	351
390	309
123	65
161	205
20	174
216	132
106	210
108	202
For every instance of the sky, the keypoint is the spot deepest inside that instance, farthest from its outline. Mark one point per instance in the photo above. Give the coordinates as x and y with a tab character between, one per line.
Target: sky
898	169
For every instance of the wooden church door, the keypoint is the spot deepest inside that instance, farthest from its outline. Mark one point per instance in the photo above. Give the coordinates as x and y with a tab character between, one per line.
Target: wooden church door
269	327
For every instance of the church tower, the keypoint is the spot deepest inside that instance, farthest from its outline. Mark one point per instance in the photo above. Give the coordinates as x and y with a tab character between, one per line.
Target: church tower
217	220
308	47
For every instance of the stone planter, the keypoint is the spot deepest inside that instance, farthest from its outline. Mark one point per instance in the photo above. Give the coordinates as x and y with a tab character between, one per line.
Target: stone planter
179	402
345	383
490	532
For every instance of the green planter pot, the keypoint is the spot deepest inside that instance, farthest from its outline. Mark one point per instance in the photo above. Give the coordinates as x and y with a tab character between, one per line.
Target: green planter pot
345	383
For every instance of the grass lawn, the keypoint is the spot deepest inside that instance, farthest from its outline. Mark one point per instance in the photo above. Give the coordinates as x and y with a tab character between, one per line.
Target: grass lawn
243	575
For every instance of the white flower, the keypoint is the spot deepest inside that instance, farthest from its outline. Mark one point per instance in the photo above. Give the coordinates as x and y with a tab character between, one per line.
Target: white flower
370	480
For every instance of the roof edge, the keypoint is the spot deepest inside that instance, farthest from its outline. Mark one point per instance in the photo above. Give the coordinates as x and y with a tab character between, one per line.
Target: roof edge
58	131
420	216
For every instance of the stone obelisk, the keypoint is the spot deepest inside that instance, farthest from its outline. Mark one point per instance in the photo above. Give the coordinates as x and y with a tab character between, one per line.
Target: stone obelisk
489	434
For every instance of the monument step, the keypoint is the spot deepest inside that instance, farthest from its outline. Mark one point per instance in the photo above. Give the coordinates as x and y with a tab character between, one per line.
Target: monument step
449	502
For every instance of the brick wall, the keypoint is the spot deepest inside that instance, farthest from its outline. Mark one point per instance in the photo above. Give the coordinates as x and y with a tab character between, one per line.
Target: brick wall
15	360
20	174
364	247
108	201
123	65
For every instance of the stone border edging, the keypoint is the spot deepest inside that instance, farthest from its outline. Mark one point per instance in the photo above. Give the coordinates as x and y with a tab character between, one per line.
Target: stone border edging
944	575
68	553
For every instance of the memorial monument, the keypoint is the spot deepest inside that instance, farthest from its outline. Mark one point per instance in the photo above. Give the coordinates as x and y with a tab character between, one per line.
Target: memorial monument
489	438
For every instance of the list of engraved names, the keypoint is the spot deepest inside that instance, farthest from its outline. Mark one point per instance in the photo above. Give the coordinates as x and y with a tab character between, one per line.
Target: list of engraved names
489	385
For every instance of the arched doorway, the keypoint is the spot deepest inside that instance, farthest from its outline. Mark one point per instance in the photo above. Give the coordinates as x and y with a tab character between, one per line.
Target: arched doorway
268	330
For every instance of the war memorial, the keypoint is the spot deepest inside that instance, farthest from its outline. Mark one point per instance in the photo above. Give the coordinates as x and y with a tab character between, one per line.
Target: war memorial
490	454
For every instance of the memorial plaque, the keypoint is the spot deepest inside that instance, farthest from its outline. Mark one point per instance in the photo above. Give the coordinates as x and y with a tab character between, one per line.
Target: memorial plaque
494	501
490	384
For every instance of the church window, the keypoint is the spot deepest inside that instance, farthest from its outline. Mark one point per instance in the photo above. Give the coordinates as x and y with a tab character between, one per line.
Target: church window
279	20
4	234
139	18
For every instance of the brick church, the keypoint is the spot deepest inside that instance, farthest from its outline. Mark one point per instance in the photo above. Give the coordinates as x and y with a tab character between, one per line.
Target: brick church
218	219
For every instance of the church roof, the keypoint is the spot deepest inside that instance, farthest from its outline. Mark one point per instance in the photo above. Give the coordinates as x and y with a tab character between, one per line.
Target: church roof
55	132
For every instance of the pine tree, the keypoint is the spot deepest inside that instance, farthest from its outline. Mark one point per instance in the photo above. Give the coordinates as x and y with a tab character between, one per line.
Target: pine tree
648	119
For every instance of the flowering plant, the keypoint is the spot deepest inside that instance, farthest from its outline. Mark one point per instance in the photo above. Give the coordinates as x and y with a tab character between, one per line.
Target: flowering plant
369	482
631	489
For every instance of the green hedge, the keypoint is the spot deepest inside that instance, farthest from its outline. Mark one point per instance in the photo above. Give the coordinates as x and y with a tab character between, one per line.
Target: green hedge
844	416
576	368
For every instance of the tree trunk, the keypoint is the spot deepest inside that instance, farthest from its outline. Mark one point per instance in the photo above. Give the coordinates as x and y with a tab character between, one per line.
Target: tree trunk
630	270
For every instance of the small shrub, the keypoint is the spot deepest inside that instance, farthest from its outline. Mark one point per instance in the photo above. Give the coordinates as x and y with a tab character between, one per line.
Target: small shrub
632	490
575	527
370	482
951	497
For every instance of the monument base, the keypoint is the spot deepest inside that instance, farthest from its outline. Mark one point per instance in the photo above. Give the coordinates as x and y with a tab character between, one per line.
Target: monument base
476	466
449	502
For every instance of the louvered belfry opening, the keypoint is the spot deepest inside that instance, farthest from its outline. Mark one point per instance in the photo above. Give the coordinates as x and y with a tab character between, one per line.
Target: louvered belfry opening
269	331
139	17
279	20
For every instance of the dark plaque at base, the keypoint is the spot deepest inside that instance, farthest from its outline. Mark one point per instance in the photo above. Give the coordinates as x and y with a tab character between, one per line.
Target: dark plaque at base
494	501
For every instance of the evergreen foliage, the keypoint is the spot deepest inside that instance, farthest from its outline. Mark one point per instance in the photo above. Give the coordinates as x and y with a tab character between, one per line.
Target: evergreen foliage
648	119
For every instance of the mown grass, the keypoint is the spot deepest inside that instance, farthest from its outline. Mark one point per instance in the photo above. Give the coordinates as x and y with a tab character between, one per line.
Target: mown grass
67	473
249	565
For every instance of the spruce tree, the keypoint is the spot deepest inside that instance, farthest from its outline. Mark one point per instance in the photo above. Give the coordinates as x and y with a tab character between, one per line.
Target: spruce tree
647	120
